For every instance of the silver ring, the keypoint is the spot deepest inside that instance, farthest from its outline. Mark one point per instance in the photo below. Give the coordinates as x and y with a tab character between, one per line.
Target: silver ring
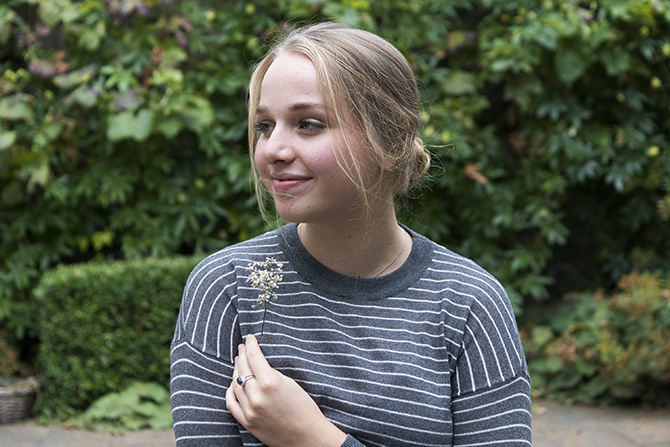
241	381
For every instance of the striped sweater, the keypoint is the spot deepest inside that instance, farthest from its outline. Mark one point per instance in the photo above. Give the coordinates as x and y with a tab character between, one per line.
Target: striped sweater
428	355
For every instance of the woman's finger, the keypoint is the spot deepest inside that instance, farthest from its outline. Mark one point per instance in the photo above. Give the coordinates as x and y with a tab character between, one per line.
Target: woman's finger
240	371
244	372
233	404
254	358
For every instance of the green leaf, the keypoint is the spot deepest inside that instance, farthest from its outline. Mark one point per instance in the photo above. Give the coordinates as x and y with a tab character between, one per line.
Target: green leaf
128	100
616	62
198	114
16	107
586	368
458	83
595	387
170	127
69	80
119	126
162	419
541	335
502	65
35	170
55	11
84	95
570	65
525	93
7	139
142	125
128	125
150	390
102	239
91	37
6	18
138	406
619	8
174	55
171	76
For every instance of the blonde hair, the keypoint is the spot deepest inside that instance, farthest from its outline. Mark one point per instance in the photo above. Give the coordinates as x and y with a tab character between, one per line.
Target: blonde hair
373	91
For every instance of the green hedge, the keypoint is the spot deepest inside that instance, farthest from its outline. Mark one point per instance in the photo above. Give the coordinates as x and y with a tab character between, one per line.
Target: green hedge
104	326
603	348
122	132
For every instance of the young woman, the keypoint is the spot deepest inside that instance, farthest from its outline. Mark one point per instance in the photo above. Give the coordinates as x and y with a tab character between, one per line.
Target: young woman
375	335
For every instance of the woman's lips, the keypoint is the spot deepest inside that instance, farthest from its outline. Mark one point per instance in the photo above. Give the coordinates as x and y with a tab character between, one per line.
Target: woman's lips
288	183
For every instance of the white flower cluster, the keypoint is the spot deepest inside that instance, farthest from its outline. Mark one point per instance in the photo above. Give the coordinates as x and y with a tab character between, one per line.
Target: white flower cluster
266	277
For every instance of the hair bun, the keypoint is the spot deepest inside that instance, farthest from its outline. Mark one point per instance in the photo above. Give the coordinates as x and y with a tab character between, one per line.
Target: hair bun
422	158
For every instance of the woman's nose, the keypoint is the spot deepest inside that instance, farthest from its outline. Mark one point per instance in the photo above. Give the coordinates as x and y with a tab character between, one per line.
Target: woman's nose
278	146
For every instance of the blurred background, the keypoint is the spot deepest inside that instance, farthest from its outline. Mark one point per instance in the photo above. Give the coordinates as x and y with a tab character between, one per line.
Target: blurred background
123	161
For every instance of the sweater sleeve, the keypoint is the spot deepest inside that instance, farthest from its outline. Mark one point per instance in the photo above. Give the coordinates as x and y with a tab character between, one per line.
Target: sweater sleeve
198	388
490	385
351	442
499	415
201	360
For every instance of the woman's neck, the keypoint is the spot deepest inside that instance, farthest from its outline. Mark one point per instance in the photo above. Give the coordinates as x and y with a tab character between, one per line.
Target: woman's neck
364	251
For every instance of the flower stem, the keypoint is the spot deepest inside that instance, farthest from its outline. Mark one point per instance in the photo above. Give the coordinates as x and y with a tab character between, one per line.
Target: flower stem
263	324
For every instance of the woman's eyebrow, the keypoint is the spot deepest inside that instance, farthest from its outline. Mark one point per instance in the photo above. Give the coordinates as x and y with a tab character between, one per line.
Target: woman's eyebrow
298	106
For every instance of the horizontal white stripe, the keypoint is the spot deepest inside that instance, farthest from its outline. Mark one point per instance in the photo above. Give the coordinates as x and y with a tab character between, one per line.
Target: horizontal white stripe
338	362
233	424
197	379
403	440
348	326
352	348
492	404
494	416
391	341
500	441
419	418
198	393
236	436
412	429
204	409
371	372
494	390
393	400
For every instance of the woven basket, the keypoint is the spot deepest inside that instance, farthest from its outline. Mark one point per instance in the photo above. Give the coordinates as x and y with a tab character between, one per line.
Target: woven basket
17	397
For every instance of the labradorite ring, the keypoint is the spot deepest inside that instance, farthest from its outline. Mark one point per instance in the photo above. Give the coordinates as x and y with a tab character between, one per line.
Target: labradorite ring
241	381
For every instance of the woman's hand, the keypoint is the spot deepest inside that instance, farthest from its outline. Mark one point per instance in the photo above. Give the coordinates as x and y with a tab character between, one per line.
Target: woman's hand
273	407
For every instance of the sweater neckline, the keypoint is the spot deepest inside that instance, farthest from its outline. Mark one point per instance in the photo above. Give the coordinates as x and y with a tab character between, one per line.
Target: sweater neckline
350	287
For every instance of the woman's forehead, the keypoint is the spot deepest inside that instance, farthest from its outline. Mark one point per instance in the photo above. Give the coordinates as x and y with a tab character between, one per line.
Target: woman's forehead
292	81
291	75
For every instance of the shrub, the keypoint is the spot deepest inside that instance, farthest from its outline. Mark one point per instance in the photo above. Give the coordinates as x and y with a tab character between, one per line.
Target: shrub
104	325
141	405
600	348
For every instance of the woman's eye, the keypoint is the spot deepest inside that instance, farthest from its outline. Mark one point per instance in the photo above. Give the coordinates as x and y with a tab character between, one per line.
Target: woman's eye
261	128
312	126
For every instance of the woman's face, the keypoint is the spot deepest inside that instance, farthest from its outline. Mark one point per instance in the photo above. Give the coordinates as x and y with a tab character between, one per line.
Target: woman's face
298	146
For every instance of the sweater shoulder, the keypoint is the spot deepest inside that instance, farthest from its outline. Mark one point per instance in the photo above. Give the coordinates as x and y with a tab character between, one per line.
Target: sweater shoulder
239	254
461	274
212	285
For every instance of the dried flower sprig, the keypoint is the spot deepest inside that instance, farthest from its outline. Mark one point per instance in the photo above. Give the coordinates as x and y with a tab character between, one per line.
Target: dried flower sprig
266	277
